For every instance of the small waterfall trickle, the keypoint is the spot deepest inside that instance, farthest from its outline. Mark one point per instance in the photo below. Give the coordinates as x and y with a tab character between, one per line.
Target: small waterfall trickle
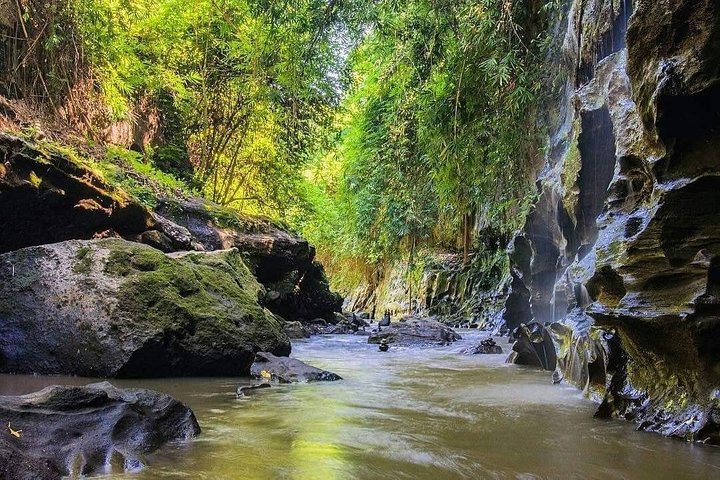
610	42
582	297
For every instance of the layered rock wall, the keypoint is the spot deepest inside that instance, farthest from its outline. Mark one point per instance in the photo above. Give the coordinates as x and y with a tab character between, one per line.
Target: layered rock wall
619	255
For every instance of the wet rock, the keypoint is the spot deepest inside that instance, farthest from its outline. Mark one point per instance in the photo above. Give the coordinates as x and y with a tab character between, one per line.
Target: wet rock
487	346
107	426
288	370
295	330
416	331
533	346
105	308
282	262
617	257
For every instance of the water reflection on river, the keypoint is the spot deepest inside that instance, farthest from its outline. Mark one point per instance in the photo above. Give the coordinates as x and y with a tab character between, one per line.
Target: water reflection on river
407	414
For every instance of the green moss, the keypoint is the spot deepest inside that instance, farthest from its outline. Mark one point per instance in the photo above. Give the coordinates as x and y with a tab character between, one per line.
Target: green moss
201	294
83	260
571	166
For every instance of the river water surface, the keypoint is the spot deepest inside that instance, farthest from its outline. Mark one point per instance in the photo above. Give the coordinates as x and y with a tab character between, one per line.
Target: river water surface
407	414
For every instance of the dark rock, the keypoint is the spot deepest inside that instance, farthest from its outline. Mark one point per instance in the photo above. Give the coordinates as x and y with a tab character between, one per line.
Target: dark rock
416	331
180	237
288	370
105	425
343	328
104	308
487	346
533	346
157	240
282	262
295	330
47	198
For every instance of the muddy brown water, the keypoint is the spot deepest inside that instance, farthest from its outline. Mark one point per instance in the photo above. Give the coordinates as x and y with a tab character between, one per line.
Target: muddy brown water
407	414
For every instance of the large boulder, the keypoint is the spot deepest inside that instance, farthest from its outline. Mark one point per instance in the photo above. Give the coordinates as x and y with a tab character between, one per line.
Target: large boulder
74	431
283	262
106	308
416	331
288	370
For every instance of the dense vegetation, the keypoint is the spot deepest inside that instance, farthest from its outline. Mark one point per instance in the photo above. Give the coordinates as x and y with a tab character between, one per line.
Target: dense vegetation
374	127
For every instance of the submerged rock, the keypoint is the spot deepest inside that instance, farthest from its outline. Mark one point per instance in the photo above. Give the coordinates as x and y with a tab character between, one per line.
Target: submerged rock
487	346
106	308
288	370
416	331
243	390
73	431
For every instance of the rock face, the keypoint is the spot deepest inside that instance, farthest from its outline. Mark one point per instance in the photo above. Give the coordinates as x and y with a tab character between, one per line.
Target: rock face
105	308
448	289
620	253
288	370
283	263
416	331
50	197
74	431
47	198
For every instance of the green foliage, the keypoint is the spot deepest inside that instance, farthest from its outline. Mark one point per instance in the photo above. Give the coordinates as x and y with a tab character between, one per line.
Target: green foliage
130	171
437	127
376	128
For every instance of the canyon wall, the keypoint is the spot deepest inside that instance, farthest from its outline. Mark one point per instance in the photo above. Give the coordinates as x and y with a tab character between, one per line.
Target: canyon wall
618	259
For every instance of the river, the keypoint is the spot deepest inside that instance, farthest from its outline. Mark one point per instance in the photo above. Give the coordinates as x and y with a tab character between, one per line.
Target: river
407	414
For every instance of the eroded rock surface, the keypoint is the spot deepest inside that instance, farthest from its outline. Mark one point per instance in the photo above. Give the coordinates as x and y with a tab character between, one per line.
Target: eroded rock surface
74	431
619	256
288	370
105	308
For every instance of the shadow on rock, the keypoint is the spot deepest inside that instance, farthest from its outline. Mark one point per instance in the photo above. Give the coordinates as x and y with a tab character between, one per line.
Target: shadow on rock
533	346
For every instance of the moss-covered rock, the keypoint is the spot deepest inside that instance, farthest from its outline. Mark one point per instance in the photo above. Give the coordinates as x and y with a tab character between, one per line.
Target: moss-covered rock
283	262
116	308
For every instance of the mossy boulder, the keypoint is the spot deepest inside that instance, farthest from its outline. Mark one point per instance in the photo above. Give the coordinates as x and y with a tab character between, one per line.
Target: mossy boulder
115	308
283	262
